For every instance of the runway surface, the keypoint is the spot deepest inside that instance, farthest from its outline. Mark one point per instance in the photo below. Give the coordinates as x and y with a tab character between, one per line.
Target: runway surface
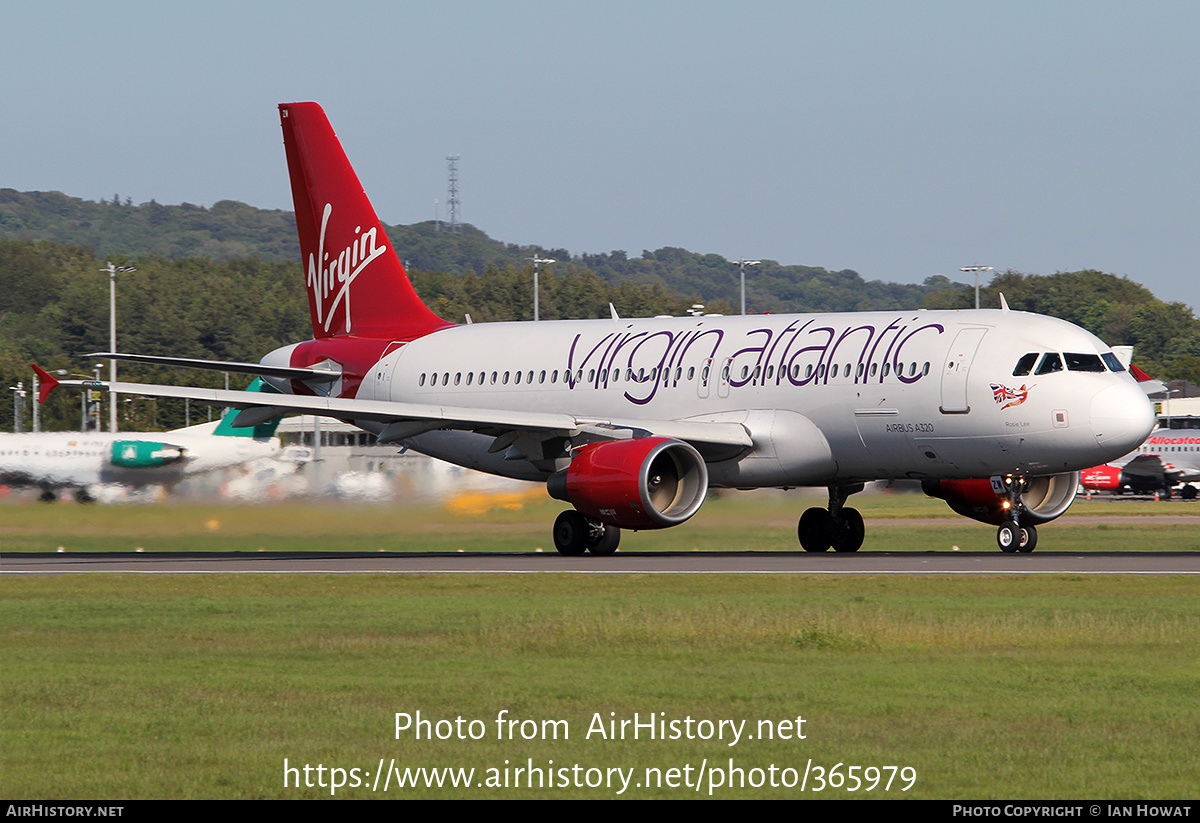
861	563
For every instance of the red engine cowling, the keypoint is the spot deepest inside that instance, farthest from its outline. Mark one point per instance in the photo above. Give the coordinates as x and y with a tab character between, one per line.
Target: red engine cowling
1102	478
648	483
1042	498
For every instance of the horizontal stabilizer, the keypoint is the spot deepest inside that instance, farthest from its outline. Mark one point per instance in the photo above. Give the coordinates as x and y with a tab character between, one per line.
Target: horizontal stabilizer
310	375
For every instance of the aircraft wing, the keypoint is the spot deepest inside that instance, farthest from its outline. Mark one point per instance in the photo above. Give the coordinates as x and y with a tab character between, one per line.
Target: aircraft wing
1146	465
1153	466
409	419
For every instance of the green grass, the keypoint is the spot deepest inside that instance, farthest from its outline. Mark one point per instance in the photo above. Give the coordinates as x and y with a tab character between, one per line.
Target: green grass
733	521
177	686
1017	687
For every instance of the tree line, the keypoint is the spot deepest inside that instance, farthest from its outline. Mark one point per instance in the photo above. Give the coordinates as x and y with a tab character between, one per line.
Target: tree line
54	309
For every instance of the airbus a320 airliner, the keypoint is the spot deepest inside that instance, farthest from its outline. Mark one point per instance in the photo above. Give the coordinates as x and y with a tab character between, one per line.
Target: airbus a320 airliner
633	421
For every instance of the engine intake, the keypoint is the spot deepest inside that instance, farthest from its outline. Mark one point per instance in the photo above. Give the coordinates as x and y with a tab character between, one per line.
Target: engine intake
1042	498
648	483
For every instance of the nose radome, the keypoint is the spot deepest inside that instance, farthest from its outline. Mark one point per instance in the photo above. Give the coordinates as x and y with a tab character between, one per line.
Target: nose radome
1122	417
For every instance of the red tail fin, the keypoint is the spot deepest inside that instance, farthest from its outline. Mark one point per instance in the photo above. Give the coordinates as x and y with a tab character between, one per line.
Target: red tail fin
356	284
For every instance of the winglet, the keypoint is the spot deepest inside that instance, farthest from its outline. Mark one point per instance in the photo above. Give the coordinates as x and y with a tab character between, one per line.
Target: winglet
1003	303
46	382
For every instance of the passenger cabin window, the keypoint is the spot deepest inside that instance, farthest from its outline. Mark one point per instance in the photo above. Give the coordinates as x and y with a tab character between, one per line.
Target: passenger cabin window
1083	362
1051	363
1025	364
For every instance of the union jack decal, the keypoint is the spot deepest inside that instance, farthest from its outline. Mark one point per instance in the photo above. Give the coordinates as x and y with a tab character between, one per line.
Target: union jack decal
1007	397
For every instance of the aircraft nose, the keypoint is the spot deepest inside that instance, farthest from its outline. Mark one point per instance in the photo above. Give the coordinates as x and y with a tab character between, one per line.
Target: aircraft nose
1122	417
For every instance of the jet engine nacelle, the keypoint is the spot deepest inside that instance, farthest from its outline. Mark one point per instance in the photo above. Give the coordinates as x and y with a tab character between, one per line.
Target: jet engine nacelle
1103	478
1042	498
647	483
141	454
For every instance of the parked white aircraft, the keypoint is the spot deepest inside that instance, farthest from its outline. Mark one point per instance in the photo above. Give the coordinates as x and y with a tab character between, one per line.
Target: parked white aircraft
1167	458
80	461
632	421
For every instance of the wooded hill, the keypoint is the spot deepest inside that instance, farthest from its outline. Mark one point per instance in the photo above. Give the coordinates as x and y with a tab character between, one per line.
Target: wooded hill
225	283
230	230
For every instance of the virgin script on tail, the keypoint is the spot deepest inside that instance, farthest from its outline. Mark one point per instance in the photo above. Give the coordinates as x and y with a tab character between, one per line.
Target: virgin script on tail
341	271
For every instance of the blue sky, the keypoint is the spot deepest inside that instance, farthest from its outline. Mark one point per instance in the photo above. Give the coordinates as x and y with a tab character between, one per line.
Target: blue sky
898	139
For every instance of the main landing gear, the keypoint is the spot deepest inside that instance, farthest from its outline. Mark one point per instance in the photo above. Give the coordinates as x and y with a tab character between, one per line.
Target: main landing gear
574	534
838	527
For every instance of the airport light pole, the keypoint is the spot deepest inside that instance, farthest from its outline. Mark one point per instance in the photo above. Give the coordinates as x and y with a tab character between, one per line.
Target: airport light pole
977	270
112	340
537	261
85	397
37	416
18	406
96	412
741	264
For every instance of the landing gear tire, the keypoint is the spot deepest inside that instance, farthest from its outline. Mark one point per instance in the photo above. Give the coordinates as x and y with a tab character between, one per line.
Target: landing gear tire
814	530
1028	539
1188	492
1008	537
605	538
575	533
572	533
849	534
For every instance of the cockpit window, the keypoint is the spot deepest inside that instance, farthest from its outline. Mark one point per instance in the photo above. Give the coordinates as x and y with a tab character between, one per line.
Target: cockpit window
1025	364
1051	363
1112	362
1083	362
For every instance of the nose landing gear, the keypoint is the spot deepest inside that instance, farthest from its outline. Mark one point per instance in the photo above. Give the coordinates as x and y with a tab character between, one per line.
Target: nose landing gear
1013	537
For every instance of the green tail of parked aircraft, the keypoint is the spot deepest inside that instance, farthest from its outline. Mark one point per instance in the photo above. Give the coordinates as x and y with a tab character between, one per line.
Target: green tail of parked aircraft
80	461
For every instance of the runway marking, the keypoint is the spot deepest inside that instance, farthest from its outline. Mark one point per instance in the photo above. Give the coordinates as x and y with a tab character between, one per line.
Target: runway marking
984	563
868	572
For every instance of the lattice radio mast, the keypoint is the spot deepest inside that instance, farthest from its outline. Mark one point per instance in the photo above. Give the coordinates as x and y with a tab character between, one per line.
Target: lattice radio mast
452	200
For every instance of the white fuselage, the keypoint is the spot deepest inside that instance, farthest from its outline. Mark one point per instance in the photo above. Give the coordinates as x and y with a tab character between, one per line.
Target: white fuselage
81	459
827	398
